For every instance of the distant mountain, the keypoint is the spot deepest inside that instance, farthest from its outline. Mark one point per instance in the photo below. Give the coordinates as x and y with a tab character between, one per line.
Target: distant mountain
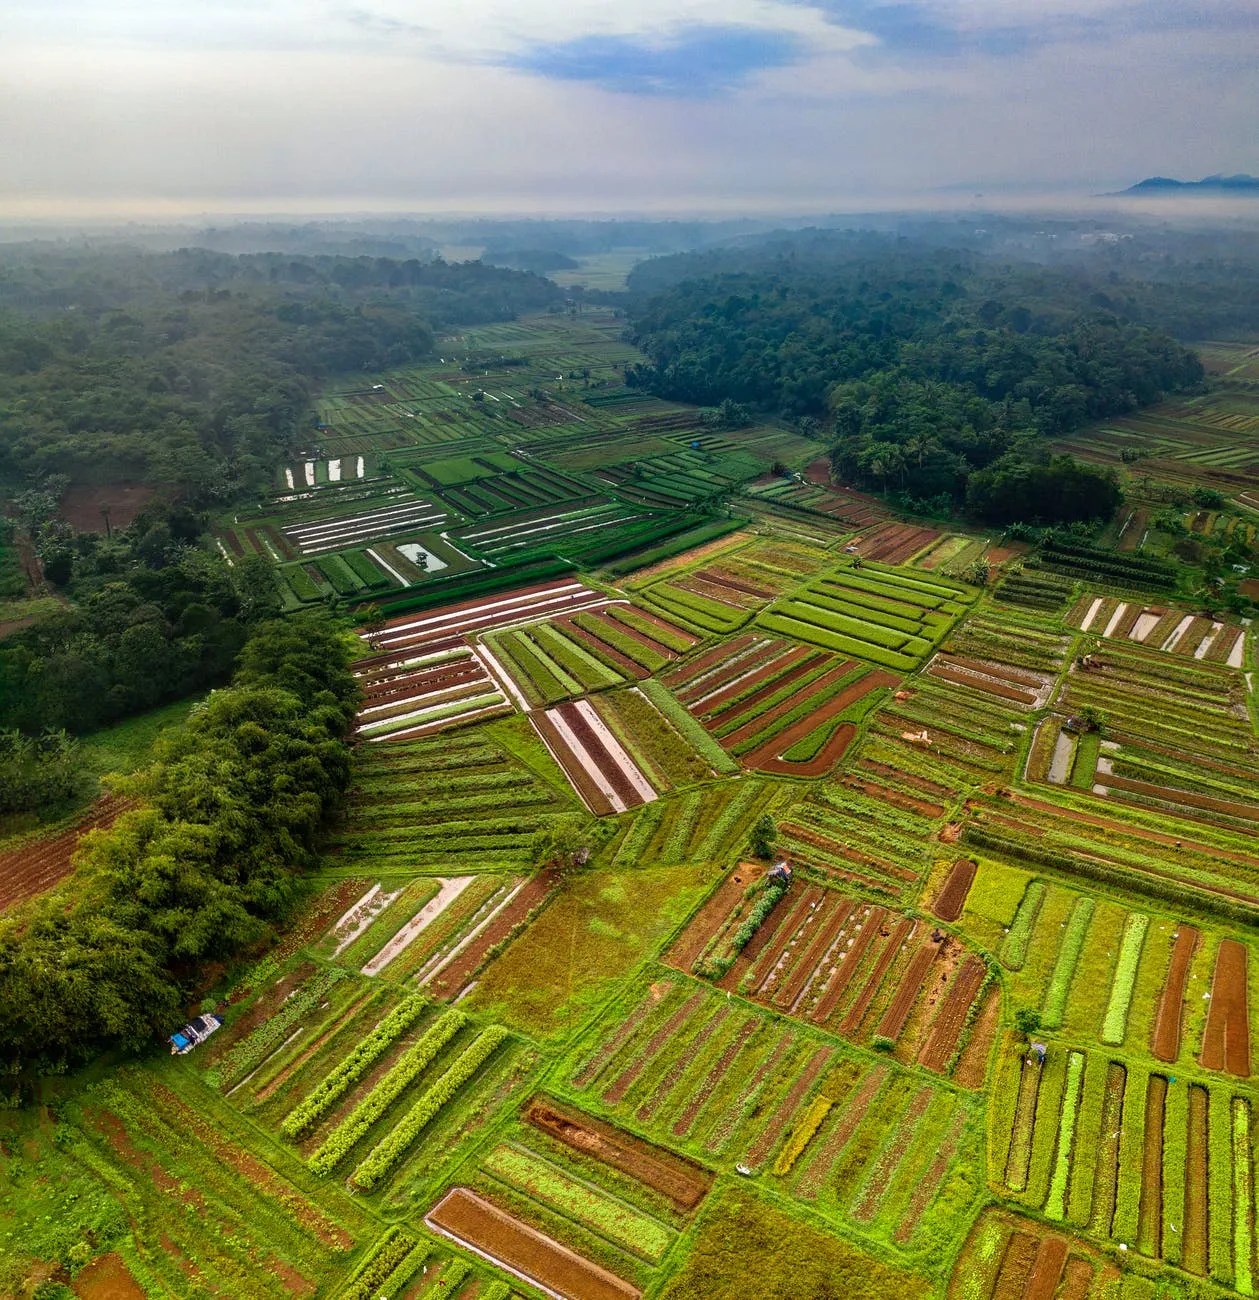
1240	185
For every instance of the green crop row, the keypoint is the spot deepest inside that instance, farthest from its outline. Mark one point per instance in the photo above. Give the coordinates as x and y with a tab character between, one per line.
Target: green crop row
578	662
409	1067
688	728
1064	968
338	1081
554	1187
365	570
1014	949
1055	1204
1116	1021
820	636
631	617
635	651
300	581
388	1253
339	574
393	1146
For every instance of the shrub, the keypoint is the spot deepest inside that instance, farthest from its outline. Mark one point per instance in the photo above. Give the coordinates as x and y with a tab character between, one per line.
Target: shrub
809	1124
389	1252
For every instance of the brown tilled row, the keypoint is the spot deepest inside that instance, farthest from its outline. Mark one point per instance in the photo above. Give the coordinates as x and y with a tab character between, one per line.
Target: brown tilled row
827	845
765	757
624	1081
809	966
1173	794
592	796
410	686
958	677
1019	676
699	1098
848	965
600	648
707	921
733	667
792	952
608	1049
614	612
390	658
676	678
473	1221
723	577
1226	1040
952	898
38	865
765	719
1165	1041
783	1113
891	949
781	672
1016	1266
894	798
893	1019
599	755
760	958
940	793
673	1176
894	543
946	1029
1150	1209
730	597
452	979
647	1110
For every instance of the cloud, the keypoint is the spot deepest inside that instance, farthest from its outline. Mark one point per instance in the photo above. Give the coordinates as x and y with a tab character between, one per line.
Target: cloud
693	62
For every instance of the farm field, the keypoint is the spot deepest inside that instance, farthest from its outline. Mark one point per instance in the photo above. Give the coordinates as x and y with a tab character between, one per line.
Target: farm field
549	1023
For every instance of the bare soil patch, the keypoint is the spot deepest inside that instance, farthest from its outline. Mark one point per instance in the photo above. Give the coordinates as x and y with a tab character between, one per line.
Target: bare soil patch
107	1278
1226	1041
952	898
682	1181
81	506
705	923
38	865
946	1029
496	1235
1165	1041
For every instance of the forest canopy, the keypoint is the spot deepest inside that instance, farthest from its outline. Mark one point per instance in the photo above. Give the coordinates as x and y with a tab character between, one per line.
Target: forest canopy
917	373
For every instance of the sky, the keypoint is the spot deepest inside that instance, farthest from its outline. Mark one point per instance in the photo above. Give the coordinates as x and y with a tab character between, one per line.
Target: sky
156	107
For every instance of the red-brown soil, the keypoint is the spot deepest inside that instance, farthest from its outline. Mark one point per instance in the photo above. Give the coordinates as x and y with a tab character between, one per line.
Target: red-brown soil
1189	798
972	1066
682	1181
1016	1266
793	987
781	672
1194	1243
591	1070
1150	1229
1019	676
451	980
707	921
733	667
646	616
1051	1256
107	1278
81	506
765	757
601	648
716	592
767	717
783	1113
624	1081
678	677
952	898
492	1232
391	659
603	760
817	840
727	579
856	1013
699	1098
38	865
408	687
848	965
894	798
1165	1041
758	959
933	788
593	797
1226	1041
946	1029
950	674
1078	1283
894	543
893	1019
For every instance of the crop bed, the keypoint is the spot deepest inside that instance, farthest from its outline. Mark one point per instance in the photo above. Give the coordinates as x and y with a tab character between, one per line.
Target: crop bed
38	864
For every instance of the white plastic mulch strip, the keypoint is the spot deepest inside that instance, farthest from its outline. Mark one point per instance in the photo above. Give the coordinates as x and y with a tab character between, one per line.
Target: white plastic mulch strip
288	478
1145	624
1177	632
360	468
343	522
442	693
1237	655
334	471
310	473
388	568
1115	618
629	768
520	539
750	672
1208	641
353	907
370	910
450	889
583	760
223	552
1092	614
483	533
473	702
424	729
488	609
468	938
496	672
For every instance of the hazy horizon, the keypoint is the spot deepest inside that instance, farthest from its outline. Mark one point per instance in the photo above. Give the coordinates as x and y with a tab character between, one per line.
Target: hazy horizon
690	107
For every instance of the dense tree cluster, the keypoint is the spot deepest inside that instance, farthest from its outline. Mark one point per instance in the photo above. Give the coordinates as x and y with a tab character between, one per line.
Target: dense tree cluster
36	771
925	371
154	619
196	369
229	812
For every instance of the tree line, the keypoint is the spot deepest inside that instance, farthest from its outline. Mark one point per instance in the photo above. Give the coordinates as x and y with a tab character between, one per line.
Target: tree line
228	814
